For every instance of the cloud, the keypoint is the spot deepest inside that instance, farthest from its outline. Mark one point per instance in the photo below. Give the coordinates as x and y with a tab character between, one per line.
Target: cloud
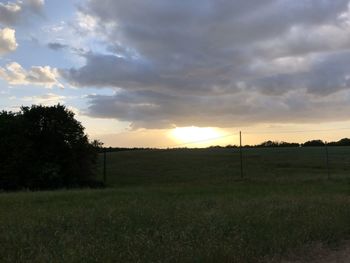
85	23
7	40
110	70
56	46
12	13
147	109
34	5
45	76
9	13
223	62
46	99
322	75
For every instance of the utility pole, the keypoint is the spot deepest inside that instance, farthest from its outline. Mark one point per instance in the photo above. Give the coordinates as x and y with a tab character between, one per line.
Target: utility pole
104	166
327	161
240	152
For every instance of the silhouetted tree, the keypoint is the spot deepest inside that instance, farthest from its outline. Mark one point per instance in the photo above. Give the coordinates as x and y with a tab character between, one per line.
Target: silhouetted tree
342	142
288	144
313	143
277	144
268	144
44	147
11	146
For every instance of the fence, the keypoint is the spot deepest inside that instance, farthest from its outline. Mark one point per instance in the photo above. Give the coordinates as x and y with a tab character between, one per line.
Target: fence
224	164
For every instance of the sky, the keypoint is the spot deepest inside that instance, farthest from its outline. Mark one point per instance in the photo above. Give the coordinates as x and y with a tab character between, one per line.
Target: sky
164	73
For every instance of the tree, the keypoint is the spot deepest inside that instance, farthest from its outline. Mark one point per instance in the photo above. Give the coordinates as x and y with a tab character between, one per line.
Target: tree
268	144
313	143
11	143
277	144
97	145
342	142
44	147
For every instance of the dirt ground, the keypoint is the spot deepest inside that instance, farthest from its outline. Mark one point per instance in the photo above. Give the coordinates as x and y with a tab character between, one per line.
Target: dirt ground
321	254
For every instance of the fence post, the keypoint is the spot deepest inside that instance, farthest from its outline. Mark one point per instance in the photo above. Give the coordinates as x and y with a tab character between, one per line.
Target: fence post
104	166
240	152
327	161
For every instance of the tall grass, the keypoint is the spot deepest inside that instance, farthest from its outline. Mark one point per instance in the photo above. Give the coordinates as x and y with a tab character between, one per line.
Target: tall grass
182	206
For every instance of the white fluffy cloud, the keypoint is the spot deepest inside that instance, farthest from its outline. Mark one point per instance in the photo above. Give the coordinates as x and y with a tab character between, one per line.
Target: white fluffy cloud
218	62
7	40
45	76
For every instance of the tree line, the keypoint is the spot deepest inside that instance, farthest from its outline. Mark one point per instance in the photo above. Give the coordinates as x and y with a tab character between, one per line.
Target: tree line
311	143
265	144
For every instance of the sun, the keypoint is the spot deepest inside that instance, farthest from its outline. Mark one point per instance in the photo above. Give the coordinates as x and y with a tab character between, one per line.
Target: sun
194	134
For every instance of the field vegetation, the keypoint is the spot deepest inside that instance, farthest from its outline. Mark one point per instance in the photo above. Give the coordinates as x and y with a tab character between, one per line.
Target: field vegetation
187	205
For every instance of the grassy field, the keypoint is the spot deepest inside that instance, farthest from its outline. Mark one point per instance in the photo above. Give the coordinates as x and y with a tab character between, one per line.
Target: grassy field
186	206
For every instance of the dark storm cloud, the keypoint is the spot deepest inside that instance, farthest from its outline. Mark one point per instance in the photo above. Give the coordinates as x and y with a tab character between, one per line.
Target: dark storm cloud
215	61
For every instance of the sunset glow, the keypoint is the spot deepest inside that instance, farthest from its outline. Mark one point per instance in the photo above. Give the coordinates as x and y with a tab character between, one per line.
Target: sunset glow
195	134
131	79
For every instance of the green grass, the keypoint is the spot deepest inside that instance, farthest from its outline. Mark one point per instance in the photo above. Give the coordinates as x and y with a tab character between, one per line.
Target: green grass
185	206
208	166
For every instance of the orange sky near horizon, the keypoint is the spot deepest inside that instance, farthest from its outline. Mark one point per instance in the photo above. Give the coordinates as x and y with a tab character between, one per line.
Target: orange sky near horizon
193	137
